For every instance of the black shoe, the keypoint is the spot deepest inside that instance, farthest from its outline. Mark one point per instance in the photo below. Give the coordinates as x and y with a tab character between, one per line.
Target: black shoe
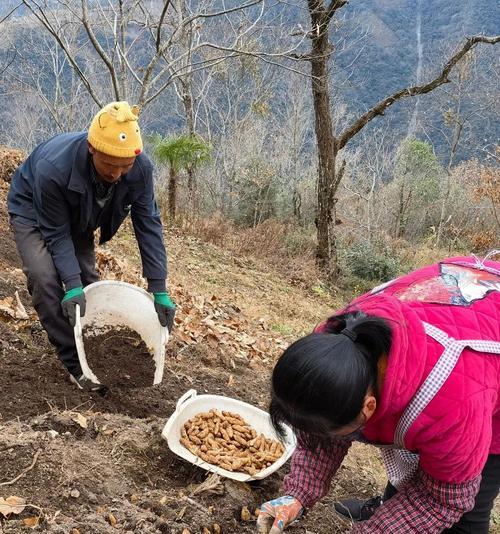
357	510
86	384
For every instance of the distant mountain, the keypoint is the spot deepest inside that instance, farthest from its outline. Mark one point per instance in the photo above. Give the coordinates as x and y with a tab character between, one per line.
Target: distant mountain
385	45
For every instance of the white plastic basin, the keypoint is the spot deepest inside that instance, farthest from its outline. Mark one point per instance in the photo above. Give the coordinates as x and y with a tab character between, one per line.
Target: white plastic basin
115	303
190	404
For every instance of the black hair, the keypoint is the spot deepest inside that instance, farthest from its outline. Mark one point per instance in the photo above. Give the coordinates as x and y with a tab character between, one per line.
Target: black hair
320	382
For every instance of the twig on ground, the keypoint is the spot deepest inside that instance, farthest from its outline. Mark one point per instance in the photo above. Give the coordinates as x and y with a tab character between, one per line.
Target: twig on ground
197	505
23	473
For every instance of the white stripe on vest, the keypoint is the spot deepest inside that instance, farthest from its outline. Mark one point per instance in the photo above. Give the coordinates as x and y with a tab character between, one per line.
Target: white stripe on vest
401	464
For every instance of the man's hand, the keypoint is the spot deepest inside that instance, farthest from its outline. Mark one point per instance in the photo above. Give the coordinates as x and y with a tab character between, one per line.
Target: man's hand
165	309
276	515
71	299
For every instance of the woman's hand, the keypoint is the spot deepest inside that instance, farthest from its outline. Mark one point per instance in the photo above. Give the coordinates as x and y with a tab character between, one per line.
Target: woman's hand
276	515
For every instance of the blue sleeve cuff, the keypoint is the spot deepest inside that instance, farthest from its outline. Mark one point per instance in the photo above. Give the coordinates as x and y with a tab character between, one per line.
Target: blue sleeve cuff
157	285
72	282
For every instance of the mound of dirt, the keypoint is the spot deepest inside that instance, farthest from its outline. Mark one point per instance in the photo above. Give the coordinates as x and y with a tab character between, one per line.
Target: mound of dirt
9	256
10	159
118	357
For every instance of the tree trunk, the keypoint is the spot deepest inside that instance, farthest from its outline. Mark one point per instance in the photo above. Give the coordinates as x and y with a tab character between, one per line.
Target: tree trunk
187	100
297	206
326	253
172	194
186	83
402	218
457	132
400	215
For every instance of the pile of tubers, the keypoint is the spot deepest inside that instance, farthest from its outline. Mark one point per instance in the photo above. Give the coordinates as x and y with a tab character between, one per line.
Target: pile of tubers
225	439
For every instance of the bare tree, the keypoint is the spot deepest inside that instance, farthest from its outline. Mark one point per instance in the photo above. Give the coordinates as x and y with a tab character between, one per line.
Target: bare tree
462	105
367	168
3	18
291	154
48	79
143	47
234	118
329	142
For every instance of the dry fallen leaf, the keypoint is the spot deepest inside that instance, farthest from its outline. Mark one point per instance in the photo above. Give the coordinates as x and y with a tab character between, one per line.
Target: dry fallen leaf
80	419
245	514
206	531
216	528
13	307
111	519
186	531
163	500
11	505
212	340
32	521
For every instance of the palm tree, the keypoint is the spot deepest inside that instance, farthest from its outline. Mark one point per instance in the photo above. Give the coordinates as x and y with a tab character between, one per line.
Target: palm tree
179	152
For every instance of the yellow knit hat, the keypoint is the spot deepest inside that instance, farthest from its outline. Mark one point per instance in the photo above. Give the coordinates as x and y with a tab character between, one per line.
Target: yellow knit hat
115	130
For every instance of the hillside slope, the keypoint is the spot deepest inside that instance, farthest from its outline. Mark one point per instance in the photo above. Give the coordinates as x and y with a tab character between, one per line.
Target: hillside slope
91	465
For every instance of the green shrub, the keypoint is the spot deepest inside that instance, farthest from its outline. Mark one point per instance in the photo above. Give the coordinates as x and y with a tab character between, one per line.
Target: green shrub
367	262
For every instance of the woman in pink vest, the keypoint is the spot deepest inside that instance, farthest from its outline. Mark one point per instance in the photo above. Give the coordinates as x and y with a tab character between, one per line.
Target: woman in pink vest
412	367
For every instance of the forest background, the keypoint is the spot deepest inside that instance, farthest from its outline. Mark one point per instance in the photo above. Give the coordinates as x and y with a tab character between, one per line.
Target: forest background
252	113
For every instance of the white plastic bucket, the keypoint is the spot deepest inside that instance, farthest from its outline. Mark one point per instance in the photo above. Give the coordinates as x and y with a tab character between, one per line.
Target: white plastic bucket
115	303
191	404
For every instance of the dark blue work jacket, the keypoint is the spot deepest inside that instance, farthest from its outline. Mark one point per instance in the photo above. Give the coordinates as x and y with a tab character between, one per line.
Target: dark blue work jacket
53	190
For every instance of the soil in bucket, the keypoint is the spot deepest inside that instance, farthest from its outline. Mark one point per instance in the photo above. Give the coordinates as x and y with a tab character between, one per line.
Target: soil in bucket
118	357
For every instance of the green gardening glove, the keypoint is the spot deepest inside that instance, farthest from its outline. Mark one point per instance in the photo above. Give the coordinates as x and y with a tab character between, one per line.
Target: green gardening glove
165	309
71	299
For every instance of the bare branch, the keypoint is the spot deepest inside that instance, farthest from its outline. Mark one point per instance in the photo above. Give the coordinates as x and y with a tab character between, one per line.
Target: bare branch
6	66
340	175
379	109
160	23
223	12
300	57
150	81
174	75
39	94
99	49
42	18
334	6
10	12
24	471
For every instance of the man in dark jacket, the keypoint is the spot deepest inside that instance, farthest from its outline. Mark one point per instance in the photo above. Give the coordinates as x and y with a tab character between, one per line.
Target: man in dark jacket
68	187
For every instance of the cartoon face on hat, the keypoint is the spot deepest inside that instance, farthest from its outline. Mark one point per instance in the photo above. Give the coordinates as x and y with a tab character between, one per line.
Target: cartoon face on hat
115	130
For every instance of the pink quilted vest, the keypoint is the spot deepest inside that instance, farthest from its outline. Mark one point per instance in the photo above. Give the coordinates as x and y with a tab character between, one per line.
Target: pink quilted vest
461	425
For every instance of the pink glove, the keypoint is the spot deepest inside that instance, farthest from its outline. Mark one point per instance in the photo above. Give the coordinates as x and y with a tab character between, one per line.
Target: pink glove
276	515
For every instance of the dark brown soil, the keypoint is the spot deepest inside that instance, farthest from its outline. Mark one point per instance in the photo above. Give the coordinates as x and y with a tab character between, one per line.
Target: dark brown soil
118	357
8	250
119	463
